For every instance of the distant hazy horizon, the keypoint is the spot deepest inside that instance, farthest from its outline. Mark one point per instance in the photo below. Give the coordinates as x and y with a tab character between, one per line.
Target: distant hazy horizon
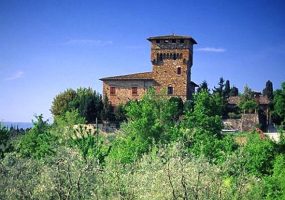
20	125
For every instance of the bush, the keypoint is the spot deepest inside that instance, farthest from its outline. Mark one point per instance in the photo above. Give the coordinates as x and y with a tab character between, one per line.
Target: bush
37	142
5	144
259	155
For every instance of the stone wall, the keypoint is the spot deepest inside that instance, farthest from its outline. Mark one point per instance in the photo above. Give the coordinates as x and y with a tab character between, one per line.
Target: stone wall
246	123
249	122
165	70
124	90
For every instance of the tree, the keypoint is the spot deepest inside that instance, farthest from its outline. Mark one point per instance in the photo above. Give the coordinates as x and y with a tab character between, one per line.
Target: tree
107	113
203	86
179	107
63	102
207	113
268	90
234	91
247	101
38	142
86	100
120	113
279	105
220	88
5	144
89	104
227	89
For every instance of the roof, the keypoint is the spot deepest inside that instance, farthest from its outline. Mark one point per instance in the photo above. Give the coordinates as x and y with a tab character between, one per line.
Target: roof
137	76
261	100
172	37
264	100
194	84
234	100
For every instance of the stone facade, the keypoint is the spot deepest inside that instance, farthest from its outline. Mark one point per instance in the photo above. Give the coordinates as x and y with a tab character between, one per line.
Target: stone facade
172	59
247	122
124	90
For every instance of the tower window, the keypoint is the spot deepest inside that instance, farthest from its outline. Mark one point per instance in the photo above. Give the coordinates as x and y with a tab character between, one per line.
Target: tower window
173	41
170	90
134	91
179	70
157	41
112	91
181	40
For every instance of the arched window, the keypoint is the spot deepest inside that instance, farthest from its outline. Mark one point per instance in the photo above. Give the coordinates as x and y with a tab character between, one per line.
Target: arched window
178	70
164	56
167	56
174	56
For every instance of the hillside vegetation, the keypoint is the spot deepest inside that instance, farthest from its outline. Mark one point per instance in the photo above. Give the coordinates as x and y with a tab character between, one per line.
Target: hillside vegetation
164	149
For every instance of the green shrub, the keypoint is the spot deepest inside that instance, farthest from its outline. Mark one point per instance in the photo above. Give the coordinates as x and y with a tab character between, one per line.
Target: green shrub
37	142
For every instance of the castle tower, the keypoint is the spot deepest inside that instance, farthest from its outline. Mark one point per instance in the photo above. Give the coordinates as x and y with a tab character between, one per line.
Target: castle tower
172	59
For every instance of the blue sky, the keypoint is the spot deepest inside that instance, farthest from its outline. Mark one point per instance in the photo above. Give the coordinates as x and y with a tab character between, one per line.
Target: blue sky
47	46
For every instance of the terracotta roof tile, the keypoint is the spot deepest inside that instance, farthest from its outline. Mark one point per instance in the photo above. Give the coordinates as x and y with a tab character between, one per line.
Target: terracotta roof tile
137	76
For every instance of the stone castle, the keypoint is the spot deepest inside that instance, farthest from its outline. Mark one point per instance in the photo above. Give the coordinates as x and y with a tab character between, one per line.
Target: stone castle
171	58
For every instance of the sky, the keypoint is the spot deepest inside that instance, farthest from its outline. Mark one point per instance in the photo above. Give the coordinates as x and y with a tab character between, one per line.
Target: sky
47	46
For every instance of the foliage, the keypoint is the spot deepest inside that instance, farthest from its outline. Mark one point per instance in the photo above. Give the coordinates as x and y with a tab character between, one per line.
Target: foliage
151	120
220	88
38	142
275	184
268	90
279	106
164	173
203	86
107	113
234	91
63	102
247	101
5	144
177	101
227	89
156	154
89	104
206	114
85	100
258	154
120	113
89	143
64	124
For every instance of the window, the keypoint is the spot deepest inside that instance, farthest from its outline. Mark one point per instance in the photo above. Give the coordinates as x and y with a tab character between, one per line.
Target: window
182	41
157	41
173	41
112	91
134	91
179	70
170	90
